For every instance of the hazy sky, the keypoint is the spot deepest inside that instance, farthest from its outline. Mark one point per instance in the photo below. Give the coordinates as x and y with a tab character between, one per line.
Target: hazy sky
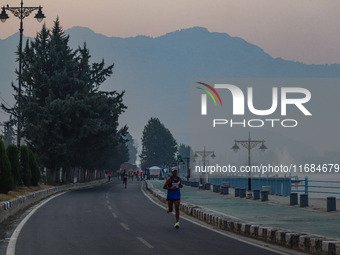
301	30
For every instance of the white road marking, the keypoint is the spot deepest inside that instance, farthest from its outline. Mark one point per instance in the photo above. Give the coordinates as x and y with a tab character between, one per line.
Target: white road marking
145	242
124	226
113	214
13	240
217	231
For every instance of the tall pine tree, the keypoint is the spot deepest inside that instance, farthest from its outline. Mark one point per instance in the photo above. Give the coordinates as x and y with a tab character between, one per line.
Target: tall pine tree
35	171
159	146
132	148
13	156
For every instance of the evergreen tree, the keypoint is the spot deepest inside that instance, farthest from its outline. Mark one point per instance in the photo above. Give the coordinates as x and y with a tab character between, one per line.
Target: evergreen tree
25	167
158	145
184	150
121	155
13	156
6	178
131	148
67	120
35	171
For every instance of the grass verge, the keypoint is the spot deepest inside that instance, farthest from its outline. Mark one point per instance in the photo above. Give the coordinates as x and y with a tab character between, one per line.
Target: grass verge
22	192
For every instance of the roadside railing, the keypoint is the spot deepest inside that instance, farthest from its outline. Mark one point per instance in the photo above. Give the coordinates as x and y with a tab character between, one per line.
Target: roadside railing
316	186
283	186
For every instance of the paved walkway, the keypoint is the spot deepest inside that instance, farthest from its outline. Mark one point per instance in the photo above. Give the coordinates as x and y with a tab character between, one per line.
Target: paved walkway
275	213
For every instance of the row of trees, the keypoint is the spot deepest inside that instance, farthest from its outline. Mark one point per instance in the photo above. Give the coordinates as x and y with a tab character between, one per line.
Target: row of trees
15	171
67	121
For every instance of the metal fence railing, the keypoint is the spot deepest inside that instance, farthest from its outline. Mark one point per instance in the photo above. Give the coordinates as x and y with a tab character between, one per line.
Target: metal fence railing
316	186
282	185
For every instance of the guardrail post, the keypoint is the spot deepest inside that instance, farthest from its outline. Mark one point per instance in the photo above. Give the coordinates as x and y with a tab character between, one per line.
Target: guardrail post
264	195
242	193
331	204
303	200
237	192
224	190
293	198
257	194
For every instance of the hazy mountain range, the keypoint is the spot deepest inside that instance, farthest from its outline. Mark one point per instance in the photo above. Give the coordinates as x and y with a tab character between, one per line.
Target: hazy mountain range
156	72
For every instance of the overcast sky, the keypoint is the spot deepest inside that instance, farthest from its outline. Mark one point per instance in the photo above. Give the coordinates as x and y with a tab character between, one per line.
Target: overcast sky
300	30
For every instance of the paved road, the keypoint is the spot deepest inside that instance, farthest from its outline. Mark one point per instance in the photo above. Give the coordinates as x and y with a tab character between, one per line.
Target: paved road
109	219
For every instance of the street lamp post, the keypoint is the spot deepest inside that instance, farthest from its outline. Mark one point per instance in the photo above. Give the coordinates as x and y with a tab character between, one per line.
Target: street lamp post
21	13
249	144
179	162
188	168
204	154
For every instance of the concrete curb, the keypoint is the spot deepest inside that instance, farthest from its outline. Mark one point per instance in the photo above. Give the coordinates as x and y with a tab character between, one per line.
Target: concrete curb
10	208
297	241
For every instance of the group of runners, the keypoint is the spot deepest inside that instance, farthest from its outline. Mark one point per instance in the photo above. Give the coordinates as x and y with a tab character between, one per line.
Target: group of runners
125	175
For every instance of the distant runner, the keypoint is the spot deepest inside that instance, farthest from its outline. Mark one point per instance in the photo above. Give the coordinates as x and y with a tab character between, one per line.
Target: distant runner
173	185
125	177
